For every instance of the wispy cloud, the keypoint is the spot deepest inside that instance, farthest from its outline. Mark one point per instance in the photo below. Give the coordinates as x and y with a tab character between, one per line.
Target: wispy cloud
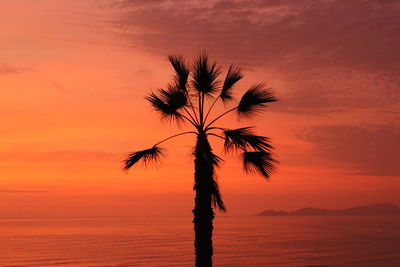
57	156
358	34
334	55
22	191
370	150
7	69
339	90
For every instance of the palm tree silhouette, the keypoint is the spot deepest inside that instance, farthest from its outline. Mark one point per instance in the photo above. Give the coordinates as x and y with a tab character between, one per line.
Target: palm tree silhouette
190	98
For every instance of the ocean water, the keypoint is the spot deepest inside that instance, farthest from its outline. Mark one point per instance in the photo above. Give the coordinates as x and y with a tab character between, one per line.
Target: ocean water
238	241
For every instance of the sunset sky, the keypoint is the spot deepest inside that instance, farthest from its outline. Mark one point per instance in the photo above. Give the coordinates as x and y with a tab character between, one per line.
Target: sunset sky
73	76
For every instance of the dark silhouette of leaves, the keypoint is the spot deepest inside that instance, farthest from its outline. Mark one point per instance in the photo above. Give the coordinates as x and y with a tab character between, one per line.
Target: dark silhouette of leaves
168	102
205	75
214	159
260	162
181	70
254	100
242	138
146	156
174	97
232	77
216	196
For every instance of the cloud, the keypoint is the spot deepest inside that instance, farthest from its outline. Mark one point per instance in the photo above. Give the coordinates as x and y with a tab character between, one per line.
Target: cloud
334	55
358	34
334	90
60	87
21	191
7	69
57	156
130	3
368	150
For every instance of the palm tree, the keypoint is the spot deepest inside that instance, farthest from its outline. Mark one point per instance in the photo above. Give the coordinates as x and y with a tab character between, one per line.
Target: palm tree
190	98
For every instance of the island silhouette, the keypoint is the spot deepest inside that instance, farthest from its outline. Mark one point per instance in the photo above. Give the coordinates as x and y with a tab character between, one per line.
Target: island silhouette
370	209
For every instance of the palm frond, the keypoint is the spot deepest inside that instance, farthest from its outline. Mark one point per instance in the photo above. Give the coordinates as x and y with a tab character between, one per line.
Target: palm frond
242	138
174	97
181	70
216	196
205	75
210	158
214	159
260	162
215	193
232	77
146	156
168	102
254	100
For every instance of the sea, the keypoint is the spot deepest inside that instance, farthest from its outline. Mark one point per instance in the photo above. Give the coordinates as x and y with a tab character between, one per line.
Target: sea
238	241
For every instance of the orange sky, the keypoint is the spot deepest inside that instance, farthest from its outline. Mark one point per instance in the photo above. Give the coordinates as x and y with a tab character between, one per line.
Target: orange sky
73	76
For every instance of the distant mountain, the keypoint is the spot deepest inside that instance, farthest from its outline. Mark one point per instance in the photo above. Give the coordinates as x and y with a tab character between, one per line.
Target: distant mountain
371	209
273	213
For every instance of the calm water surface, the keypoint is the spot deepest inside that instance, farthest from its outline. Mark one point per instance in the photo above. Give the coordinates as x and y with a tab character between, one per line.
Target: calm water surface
238	241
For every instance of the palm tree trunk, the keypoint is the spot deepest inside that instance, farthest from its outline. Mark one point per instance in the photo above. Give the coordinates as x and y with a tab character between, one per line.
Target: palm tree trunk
203	212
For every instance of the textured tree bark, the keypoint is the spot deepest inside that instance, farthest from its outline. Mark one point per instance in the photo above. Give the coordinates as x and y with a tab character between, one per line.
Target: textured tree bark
203	212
